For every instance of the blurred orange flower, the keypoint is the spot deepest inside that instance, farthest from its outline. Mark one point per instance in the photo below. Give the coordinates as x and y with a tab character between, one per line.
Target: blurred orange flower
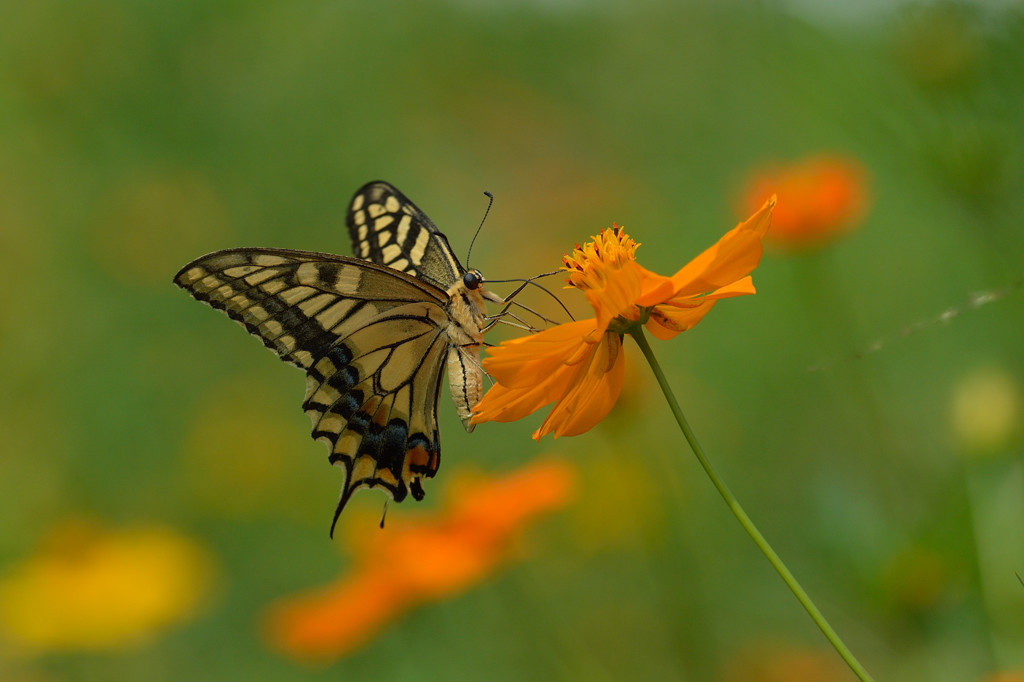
433	558
821	197
1008	676
579	366
89	588
774	661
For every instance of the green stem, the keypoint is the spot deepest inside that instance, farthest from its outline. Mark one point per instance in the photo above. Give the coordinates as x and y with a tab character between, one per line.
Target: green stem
741	516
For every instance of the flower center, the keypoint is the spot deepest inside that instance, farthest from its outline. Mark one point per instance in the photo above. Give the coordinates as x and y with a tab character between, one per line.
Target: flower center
591	266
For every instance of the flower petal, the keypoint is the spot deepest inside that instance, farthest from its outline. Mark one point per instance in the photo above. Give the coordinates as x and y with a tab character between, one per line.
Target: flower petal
616	297
520	362
679	314
591	396
535	370
734	256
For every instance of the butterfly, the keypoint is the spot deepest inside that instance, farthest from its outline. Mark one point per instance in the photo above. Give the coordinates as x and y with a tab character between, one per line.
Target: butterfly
373	333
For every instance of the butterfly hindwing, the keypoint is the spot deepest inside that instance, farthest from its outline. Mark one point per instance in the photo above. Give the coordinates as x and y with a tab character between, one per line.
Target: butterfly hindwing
389	229
373	400
373	343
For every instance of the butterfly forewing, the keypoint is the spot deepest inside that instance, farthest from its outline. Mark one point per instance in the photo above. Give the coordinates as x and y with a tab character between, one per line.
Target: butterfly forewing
373	342
388	229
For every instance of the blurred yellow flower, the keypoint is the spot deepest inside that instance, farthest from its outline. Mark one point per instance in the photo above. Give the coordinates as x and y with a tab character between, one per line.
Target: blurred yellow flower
438	556
579	366
90	588
986	411
820	198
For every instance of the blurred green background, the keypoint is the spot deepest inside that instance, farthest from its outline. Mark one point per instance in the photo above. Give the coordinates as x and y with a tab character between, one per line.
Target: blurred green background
865	405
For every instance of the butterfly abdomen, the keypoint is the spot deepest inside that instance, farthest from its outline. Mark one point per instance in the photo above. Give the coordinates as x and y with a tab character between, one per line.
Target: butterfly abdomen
466	319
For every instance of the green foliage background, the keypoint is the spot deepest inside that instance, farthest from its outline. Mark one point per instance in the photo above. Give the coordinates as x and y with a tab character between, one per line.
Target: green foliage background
135	136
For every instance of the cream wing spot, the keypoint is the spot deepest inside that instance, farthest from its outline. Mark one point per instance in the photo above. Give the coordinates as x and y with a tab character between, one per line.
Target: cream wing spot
261	276
268	260
271	329
273	286
420	247
349	279
312	384
223	293
390	253
391	203
325	395
255	315
330	317
295	295
286	344
307	274
347	444
364	467
312	306
329	421
193	274
403	228
324	367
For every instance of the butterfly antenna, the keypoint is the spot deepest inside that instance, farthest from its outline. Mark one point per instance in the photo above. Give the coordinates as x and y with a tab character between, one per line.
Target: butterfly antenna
490	203
384	512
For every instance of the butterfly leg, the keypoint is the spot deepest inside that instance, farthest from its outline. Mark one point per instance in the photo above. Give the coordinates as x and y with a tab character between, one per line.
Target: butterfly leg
506	312
519	323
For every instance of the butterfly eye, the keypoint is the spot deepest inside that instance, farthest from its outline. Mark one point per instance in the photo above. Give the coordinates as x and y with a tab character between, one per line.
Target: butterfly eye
473	279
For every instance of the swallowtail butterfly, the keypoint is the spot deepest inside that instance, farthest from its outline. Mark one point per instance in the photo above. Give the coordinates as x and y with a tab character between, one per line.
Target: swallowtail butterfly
373	333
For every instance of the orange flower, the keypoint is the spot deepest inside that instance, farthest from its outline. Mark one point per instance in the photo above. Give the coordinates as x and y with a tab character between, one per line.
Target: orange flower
579	366
822	197
90	588
777	661
419	562
1007	676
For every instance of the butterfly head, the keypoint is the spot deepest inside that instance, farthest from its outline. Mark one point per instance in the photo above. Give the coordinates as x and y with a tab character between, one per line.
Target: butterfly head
473	280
